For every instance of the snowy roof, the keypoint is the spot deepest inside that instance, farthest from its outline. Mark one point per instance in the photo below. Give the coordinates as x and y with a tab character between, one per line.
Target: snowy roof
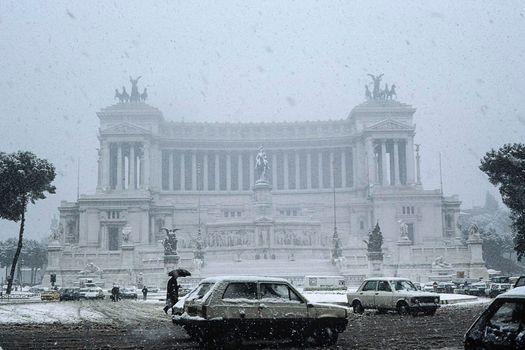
242	279
516	292
387	278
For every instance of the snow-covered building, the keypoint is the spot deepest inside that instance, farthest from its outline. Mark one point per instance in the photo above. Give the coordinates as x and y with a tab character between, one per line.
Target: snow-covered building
350	173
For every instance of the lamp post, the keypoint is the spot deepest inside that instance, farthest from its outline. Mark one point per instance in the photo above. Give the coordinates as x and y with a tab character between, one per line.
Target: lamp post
336	250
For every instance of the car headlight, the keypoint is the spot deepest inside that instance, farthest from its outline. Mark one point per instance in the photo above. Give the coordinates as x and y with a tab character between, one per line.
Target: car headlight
415	300
436	300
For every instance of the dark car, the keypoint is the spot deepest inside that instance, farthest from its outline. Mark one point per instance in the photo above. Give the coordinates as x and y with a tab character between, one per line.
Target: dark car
128	293
502	325
69	294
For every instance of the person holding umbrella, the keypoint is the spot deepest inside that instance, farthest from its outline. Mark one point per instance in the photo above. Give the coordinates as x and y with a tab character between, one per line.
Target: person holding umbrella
172	295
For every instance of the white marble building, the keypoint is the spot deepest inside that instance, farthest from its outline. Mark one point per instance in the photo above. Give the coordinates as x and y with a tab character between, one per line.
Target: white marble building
155	173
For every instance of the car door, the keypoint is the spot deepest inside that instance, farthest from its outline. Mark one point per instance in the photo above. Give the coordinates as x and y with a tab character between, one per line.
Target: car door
384	295
367	293
282	310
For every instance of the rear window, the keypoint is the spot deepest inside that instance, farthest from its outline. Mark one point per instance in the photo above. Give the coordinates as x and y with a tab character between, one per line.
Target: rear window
241	290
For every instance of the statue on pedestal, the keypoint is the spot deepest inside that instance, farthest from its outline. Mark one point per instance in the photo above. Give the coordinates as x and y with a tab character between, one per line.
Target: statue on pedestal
170	242
135	95
126	233
261	164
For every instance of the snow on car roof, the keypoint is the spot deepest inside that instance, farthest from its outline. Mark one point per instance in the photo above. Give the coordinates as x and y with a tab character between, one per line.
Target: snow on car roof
516	292
242	279
387	278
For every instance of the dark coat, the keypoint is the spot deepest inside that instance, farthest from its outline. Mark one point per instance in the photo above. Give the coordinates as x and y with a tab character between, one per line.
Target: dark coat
173	290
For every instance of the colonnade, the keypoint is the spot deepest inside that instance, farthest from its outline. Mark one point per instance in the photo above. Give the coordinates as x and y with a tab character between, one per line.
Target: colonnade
390	161
123	165
233	170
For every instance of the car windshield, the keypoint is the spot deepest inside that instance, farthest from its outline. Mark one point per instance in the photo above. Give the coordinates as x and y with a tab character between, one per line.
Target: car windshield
404	285
200	291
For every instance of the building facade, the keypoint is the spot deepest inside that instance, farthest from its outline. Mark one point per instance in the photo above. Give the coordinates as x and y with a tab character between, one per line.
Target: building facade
345	175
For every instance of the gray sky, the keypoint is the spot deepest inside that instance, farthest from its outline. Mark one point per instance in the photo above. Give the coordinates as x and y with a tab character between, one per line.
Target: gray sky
459	63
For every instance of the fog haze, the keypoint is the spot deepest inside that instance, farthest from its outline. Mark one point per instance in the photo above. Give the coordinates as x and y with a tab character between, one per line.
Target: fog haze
459	63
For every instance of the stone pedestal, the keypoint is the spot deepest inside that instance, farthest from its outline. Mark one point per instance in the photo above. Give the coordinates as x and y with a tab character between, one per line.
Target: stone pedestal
404	245
128	251
477	268
262	199
171	262
54	252
375	264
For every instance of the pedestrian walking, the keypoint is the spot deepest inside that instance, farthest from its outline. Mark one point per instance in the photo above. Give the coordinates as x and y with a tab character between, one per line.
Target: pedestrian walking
172	293
115	293
144	292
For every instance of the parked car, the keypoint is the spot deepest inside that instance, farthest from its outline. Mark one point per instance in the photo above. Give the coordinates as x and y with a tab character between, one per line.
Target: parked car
50	295
446	287
228	310
501	325
69	294
392	293
91	293
128	293
477	289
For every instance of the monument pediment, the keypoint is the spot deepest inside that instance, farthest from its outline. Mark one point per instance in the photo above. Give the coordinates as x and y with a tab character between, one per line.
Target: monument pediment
389	124
125	128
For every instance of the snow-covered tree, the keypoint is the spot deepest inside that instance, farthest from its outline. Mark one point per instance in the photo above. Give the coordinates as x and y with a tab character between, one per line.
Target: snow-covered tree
506	170
24	178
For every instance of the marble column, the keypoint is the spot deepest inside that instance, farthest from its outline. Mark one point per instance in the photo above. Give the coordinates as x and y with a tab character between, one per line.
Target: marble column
131	176
205	171
171	156
309	170
119	166
409	149
146	167
297	171
228	172
343	167
106	161
286	169
183	170
274	169
371	161
239	172
384	179
320	168
396	163
252	169
217	173
193	170
332	168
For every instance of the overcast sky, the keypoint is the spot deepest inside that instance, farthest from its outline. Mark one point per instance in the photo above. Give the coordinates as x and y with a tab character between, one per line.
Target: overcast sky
461	64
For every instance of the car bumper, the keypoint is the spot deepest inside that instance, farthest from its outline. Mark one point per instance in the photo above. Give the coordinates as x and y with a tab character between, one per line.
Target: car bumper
424	306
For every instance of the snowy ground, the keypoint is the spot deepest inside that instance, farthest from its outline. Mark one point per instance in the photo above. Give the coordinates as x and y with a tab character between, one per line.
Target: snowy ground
102	311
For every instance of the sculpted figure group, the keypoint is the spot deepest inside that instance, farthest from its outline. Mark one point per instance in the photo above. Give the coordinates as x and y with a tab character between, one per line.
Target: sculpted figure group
378	93
135	96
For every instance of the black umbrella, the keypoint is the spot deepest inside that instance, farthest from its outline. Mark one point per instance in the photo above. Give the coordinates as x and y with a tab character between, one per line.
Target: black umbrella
179	273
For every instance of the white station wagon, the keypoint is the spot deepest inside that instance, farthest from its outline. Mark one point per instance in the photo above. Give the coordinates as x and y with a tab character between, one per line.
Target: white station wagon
392	293
226	310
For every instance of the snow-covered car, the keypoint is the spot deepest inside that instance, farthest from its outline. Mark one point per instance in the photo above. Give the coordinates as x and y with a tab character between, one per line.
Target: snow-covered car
230	309
477	289
69	294
392	293
502	325
91	293
128	293
50	295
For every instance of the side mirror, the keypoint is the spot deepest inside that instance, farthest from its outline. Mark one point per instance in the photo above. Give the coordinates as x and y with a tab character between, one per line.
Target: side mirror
309	305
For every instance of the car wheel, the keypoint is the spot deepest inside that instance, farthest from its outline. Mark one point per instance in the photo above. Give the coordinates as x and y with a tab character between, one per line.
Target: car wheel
431	312
403	308
358	308
325	336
